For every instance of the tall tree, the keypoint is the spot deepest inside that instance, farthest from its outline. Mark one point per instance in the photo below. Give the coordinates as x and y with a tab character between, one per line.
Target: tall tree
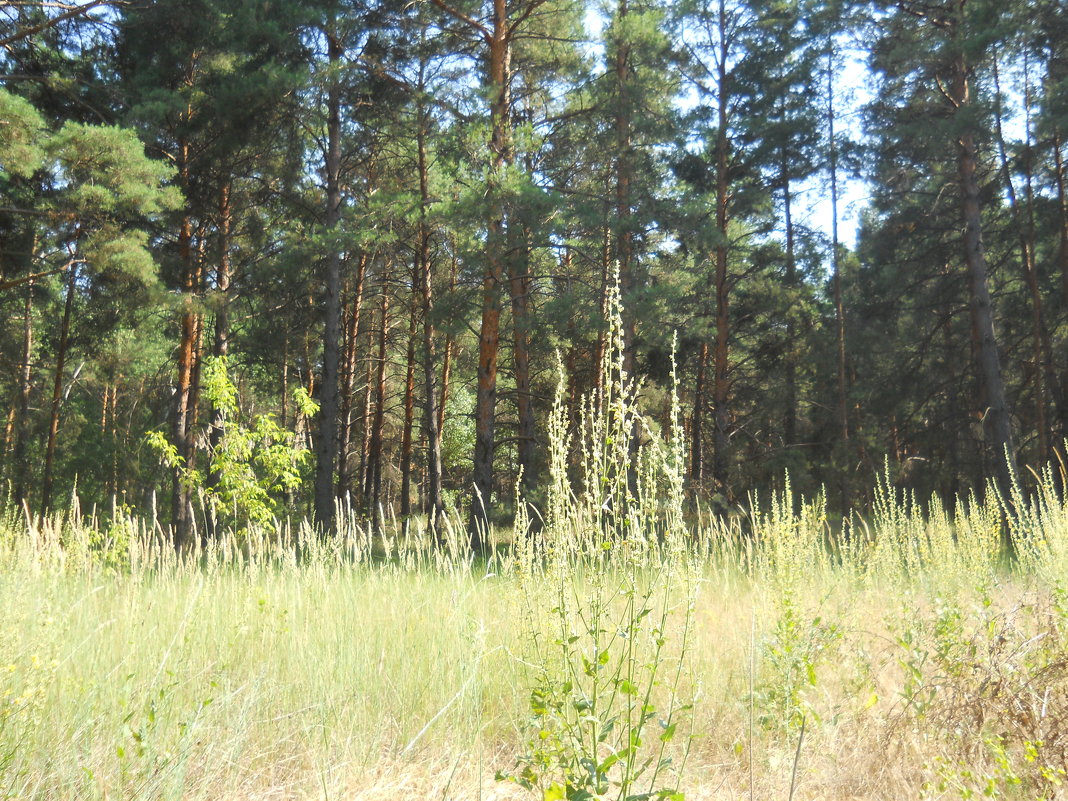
947	41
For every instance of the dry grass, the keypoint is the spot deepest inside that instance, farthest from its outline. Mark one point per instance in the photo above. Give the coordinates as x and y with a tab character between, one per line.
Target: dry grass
916	660
338	676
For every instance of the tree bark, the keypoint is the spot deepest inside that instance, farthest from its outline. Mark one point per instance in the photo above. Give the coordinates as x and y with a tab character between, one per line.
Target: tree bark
1040	349
327	445
790	378
602	312
519	285
221	345
839	308
368	398
431	422
624	240
409	413
348	381
285	380
499	72
22	428
446	361
9	432
950	362
373	479
181	516
57	397
998	422
1062	256
697	442
721	369
1062	204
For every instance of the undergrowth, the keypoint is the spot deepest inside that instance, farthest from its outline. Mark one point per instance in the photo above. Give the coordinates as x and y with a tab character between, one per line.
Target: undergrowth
617	650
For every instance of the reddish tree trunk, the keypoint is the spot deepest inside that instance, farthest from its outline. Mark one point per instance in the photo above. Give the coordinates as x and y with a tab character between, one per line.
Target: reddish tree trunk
446	362
180	500
57	397
373	478
499	73
409	414
348	380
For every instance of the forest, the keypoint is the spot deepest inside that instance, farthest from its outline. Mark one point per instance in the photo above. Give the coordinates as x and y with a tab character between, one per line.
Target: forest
626	400
265	257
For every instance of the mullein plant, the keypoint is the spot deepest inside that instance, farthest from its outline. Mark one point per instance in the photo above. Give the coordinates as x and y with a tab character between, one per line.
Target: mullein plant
607	594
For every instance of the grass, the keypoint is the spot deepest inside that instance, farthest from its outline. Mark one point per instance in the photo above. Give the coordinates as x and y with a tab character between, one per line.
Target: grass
921	664
625	651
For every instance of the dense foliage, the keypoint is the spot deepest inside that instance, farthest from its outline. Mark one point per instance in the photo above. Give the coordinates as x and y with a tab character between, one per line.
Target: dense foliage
270	254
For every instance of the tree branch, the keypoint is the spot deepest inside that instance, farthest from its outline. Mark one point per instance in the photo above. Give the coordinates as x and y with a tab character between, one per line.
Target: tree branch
457	14
51	22
25	279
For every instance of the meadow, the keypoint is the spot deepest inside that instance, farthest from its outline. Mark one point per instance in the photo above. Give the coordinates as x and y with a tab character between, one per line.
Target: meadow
630	647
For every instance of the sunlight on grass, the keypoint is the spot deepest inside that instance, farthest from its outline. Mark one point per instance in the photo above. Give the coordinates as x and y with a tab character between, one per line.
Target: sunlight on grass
618	650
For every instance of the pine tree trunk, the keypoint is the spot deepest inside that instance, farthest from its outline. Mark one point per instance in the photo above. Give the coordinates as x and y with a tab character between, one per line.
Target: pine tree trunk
109	428
446	361
697	443
285	380
489	331
999	424
624	245
373	485
57	397
1059	175
839	308
565	286
181	425
1061	180
327	445
9	432
22	428
409	414
432	423
790	378
193	415
348	381
519	288
950	359
1026	238
721	356
368	397
602	312
221	345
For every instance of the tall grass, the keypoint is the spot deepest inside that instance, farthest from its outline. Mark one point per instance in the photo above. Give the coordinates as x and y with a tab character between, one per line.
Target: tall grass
627	647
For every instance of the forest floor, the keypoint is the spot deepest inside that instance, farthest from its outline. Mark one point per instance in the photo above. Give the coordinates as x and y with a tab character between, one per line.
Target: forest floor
912	663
